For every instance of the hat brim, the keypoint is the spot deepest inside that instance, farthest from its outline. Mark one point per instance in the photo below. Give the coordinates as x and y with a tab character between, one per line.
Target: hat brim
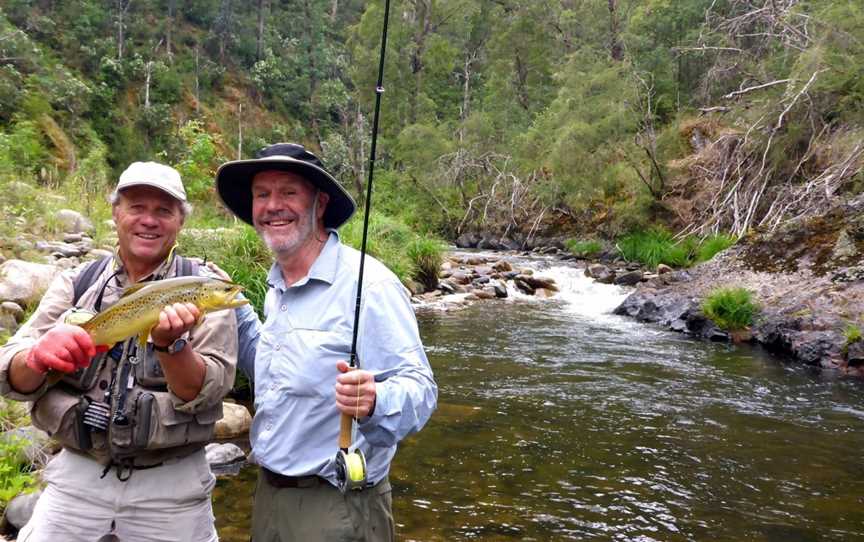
234	185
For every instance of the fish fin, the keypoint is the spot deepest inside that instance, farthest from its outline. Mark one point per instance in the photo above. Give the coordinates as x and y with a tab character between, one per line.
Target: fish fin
142	340
134	288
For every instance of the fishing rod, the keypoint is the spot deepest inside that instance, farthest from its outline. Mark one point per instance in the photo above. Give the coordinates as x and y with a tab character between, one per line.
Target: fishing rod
351	466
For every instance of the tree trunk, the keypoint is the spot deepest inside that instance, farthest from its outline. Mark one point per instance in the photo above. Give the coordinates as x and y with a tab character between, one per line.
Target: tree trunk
259	44
616	51
197	83
172	5
334	8
424	27
521	82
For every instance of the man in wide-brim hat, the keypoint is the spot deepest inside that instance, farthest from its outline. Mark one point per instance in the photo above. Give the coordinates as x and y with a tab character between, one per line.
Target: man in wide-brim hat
301	377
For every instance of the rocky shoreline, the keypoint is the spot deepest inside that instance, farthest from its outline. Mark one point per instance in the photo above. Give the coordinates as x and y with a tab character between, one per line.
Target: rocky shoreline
807	277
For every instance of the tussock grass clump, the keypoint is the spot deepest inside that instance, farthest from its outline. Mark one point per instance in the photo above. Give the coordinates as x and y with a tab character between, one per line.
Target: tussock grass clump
853	334
426	256
586	248
713	245
655	246
730	308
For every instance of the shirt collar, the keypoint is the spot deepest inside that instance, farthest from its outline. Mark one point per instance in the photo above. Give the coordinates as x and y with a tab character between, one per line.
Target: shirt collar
323	268
161	271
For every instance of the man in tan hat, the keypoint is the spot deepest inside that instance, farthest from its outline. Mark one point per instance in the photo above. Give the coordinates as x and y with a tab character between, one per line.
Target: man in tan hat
302	382
132	422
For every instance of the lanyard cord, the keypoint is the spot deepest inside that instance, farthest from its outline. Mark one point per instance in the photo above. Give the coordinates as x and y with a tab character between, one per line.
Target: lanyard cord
379	90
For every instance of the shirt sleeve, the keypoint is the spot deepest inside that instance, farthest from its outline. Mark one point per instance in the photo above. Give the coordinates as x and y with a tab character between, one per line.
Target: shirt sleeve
56	301
248	331
390	347
215	340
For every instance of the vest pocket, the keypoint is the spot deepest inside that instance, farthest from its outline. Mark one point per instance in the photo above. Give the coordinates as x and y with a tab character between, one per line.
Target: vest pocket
155	424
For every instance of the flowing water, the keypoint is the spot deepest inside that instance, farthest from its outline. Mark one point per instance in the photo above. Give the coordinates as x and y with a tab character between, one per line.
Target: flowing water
560	421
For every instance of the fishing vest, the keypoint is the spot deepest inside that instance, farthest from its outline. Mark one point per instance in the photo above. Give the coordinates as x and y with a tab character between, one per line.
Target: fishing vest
119	409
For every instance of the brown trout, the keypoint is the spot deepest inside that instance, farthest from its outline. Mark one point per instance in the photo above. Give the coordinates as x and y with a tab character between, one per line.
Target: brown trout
137	311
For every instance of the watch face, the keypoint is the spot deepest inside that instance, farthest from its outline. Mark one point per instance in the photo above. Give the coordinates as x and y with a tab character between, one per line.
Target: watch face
178	345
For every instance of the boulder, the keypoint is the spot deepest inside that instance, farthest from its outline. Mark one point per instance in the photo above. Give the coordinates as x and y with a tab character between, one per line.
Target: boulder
662	269
540	282
467	240
24	282
499	288
235	421
630	278
485	293
58	249
73	221
855	354
600	273
502	266
543	293
224	458
20	509
39	446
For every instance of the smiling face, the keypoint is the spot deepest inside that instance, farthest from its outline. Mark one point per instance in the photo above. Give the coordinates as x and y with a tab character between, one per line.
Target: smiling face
148	221
283	205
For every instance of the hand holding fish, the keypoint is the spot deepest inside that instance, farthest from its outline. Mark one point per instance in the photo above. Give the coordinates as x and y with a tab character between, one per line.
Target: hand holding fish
355	391
63	348
174	321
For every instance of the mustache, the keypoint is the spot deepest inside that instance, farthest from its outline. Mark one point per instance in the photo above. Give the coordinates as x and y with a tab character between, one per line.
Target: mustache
278	215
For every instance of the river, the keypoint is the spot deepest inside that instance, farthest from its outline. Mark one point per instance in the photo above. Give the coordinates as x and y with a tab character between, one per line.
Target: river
560	421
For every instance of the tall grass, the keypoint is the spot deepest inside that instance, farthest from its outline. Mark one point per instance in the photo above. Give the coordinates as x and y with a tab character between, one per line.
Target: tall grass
712	245
583	248
426	256
730	308
238	251
655	246
15	476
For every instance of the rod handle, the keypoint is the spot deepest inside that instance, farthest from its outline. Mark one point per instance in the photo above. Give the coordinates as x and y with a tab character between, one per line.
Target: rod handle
345	426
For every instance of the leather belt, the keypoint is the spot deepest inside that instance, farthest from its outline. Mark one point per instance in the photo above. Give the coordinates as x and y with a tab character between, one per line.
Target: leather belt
281	481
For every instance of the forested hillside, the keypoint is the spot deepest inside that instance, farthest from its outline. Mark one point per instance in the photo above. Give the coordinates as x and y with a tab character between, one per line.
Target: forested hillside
561	117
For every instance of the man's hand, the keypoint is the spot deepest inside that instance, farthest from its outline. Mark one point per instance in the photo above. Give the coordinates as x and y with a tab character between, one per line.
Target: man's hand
63	348
174	321
355	391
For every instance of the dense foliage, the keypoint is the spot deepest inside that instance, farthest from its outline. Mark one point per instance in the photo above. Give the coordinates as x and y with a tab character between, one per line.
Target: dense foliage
730	308
582	118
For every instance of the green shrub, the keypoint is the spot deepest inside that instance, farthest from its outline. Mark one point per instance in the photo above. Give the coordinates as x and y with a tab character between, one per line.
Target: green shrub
655	246
713	245
426	256
15	476
238	251
386	240
853	334
583	249
730	308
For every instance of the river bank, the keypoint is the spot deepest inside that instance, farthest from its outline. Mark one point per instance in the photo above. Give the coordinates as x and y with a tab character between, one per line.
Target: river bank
806	276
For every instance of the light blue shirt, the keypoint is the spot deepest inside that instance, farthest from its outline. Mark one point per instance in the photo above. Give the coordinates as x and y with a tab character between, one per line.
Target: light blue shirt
307	329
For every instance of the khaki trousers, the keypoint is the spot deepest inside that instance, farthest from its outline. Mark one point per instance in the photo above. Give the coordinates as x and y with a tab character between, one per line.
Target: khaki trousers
169	503
322	514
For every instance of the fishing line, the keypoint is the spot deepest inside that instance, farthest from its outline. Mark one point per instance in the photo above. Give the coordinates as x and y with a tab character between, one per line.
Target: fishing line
351	467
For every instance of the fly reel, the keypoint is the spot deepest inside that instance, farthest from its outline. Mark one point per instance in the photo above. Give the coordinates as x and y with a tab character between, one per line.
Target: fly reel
350	470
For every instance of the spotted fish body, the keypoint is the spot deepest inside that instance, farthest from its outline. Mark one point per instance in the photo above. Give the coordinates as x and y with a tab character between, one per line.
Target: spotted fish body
137	312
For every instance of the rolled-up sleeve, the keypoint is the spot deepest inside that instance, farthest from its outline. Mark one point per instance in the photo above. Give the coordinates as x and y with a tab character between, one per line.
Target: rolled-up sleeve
215	340
56	301
390	347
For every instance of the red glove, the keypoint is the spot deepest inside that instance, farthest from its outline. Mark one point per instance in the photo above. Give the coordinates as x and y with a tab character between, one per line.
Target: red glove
64	348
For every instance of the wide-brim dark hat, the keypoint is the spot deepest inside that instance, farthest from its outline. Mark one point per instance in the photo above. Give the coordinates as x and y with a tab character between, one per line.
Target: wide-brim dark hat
234	181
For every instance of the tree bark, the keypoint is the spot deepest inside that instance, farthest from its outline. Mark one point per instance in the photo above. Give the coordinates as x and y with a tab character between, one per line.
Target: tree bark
616	51
259	43
172	6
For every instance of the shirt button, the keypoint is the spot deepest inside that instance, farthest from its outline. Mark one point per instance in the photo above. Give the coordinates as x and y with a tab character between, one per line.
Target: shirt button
278	347
284	308
269	426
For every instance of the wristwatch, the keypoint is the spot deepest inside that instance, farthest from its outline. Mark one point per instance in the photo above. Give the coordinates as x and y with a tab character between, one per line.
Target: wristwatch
172	348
